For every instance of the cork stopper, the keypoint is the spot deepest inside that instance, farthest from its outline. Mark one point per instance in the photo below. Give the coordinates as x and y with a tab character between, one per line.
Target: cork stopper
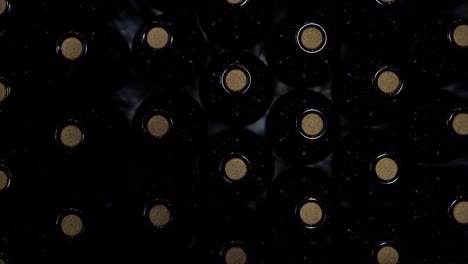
71	136
158	38
3	6
160	215
386	169
3	91
158	126
235	2
4	180
235	169
460	124
235	255
388	82
460	212
236	80
72	48
460	35
1	260
388	255
72	225
311	38
312	124
311	213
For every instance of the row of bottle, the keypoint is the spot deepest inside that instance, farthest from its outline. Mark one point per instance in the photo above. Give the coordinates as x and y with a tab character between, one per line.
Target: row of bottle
38	55
166	217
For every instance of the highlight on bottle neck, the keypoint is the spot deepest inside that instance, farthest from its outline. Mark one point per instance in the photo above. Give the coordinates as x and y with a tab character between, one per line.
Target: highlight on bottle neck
236	79
312	124
159	213
387	253
311	213
72	223
157	37
5	178
158	125
236	2
72	46
388	80
386	168
458	34
235	167
311	38
234	253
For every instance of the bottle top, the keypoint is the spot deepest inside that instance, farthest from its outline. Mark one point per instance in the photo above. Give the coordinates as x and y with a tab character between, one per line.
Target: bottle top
158	126
236	80
312	124
72	225
72	48
235	255
386	169
460	35
460	124
388	255
71	136
158	37
236	169
311	213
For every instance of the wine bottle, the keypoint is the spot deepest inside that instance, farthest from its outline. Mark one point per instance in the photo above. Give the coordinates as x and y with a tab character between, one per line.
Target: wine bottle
438	49
302	127
446	116
302	52
236	166
79	56
170	49
170	126
243	236
369	165
303	204
236	89
236	24
19	13
437	213
374	22
96	10
373	235
158	216
371	88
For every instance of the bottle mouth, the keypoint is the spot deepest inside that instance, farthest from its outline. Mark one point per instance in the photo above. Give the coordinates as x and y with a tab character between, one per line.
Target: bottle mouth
311	38
5	90
386	2
72	224
312	124
386	168
72	46
311	213
159	213
458	122
5	178
388	81
234	252
235	167
387	253
157	36
71	135
159	124
458	211
458	34
236	79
